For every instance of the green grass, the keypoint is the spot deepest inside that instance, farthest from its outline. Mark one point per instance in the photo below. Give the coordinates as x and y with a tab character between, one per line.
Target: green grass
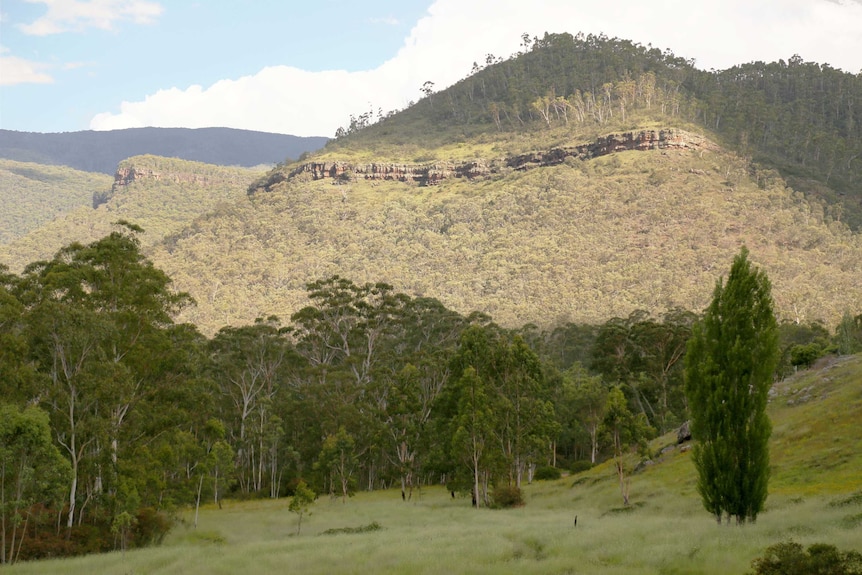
816	496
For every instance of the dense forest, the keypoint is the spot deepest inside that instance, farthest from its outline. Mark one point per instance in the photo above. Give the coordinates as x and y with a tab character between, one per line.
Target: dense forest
115	415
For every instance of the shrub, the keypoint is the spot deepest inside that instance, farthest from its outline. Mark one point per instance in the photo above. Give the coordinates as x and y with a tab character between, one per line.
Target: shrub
805	355
789	559
580	466
547	473
373	526
505	496
150	527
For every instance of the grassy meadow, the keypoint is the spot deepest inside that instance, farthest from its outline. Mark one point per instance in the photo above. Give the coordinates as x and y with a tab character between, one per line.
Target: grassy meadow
815	496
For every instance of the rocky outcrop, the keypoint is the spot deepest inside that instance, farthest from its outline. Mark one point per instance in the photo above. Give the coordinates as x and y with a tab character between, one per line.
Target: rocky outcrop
643	140
434	173
128	173
424	174
683	434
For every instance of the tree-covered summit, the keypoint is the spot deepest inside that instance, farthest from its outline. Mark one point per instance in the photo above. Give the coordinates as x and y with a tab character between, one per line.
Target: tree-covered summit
800	117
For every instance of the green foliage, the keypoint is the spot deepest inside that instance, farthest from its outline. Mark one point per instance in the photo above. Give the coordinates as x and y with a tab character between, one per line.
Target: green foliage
820	558
506	496
547	473
373	526
805	355
647	357
33	195
339	461
626	431
731	358
32	471
848	334
302	500
580	466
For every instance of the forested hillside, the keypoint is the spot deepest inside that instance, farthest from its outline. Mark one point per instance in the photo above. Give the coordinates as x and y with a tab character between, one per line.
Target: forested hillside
800	117
34	194
162	195
581	241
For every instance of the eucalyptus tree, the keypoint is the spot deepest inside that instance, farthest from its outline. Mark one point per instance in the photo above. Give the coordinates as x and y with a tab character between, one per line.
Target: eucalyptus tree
625	431
17	376
646	357
32	470
411	380
95	314
526	417
497	412
580	407
346	338
249	366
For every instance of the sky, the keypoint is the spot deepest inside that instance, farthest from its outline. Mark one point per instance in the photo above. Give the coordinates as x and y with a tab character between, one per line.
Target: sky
303	67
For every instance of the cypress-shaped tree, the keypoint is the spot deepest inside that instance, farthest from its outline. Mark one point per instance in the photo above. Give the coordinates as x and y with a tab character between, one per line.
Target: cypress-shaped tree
731	357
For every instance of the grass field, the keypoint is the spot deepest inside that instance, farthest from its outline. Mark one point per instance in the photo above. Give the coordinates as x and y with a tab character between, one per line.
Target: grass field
816	496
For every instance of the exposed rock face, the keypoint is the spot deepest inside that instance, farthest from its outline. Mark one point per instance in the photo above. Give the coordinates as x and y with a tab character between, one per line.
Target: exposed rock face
129	173
683	434
430	174
643	140
424	174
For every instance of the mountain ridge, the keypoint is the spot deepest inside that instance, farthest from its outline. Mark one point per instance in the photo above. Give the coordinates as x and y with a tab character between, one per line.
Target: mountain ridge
96	151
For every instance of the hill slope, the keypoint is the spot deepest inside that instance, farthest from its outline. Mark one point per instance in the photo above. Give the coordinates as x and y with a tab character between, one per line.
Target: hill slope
162	195
583	240
34	194
102	151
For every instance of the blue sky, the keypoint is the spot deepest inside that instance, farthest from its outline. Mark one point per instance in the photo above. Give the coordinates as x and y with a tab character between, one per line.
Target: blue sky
303	67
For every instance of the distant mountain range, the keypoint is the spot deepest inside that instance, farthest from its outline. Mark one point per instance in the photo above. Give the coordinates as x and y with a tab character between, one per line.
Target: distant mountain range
92	151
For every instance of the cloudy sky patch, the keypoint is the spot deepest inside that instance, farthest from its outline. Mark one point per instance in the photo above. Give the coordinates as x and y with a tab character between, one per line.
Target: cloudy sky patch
303	69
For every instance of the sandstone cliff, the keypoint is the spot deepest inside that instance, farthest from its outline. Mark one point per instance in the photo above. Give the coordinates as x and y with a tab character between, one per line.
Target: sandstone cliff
433	173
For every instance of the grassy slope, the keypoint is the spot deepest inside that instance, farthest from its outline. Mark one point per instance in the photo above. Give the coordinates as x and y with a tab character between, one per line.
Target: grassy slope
815	497
34	194
161	206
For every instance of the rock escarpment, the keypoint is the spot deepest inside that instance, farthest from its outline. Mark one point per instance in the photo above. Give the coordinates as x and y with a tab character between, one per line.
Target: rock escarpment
129	173
433	173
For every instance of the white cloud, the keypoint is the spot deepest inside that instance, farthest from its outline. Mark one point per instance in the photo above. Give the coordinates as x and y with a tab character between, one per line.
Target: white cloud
443	45
14	71
77	15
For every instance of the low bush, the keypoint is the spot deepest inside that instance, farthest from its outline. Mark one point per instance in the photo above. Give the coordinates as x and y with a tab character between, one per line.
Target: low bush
789	559
150	527
373	526
505	496
547	473
580	466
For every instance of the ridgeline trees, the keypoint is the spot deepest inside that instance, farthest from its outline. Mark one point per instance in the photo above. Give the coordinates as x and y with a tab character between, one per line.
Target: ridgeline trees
732	355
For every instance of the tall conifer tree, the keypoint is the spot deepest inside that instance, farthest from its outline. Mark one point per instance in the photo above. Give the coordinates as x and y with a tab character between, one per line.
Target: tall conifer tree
731	358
